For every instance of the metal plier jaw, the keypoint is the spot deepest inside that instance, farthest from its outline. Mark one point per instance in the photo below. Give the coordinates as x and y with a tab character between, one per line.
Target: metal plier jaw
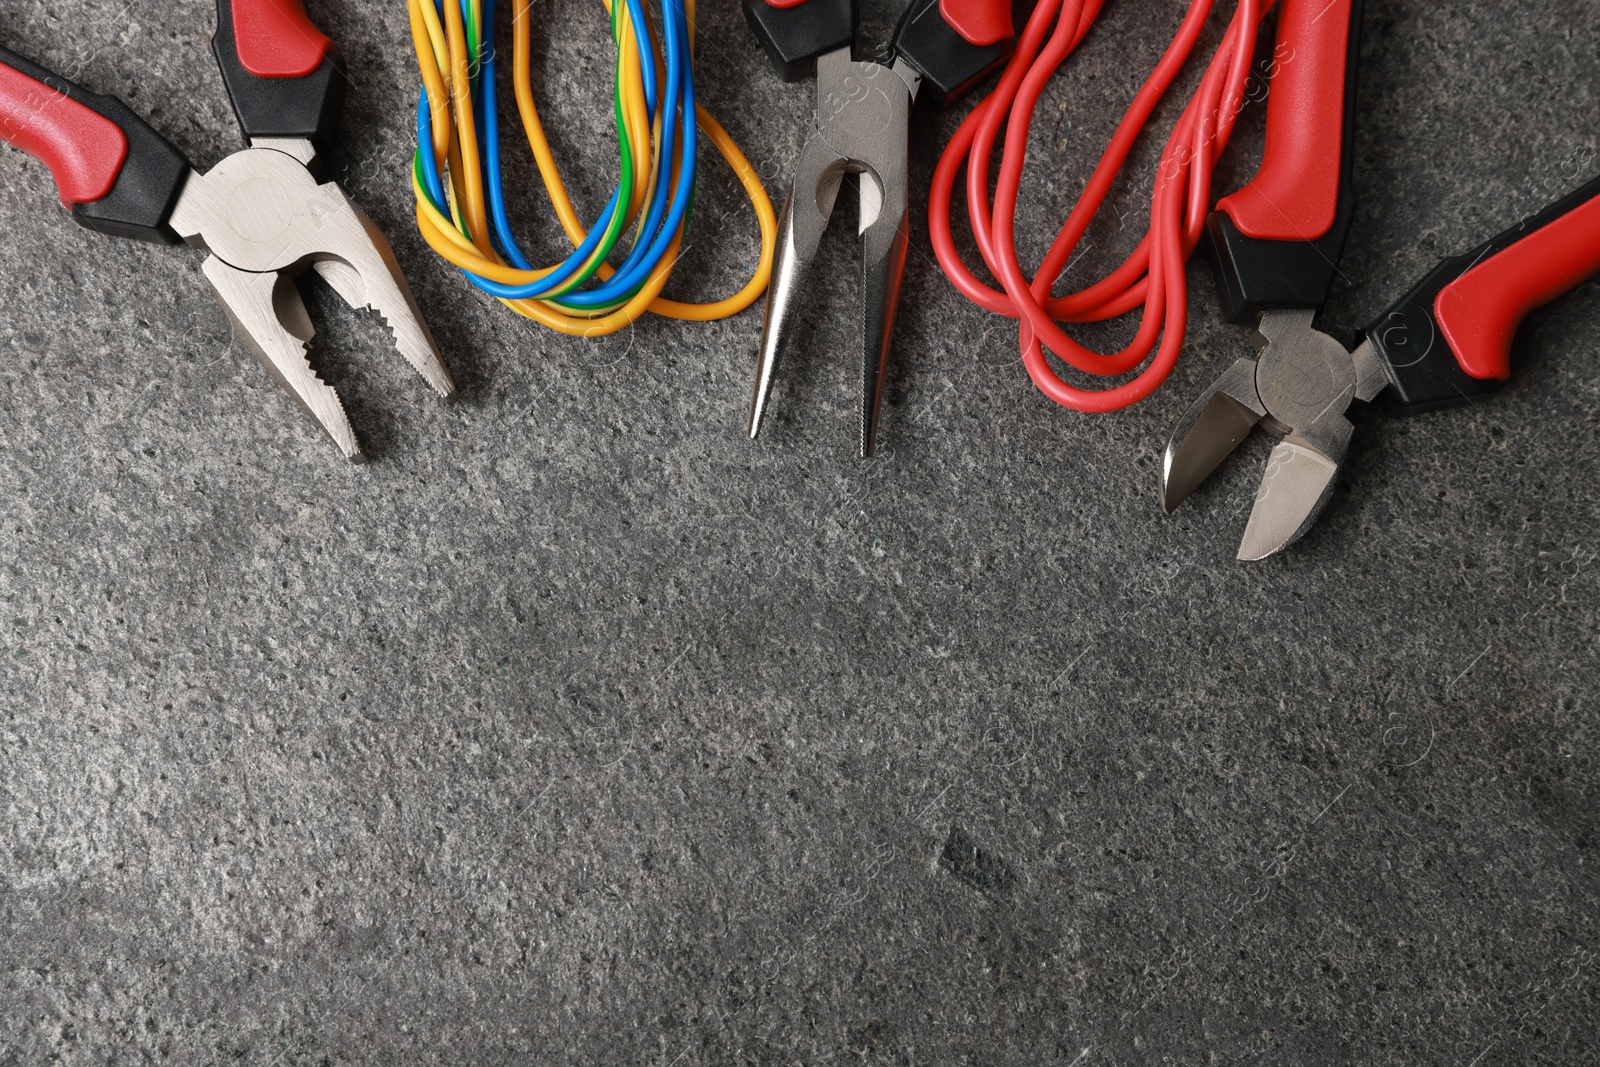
1298	388
264	218
861	126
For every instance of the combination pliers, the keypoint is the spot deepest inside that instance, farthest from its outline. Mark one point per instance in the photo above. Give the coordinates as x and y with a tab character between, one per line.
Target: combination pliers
261	213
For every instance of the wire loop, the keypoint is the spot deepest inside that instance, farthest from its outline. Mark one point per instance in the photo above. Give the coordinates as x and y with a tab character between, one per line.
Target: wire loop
461	209
1152	277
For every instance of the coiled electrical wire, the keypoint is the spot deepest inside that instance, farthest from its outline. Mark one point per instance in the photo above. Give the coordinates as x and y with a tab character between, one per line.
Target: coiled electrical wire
461	208
1152	277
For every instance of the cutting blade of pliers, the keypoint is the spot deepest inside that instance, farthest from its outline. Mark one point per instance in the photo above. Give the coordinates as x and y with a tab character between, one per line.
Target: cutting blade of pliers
1299	388
867	136
264	218
1275	245
1445	343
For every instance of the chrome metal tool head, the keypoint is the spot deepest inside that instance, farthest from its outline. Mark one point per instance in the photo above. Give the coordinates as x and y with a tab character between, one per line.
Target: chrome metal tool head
264	218
861	126
1299	387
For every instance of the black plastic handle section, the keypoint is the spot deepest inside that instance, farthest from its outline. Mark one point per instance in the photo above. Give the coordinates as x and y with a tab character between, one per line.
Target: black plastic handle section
152	174
304	107
950	65
1425	373
1252	274
794	36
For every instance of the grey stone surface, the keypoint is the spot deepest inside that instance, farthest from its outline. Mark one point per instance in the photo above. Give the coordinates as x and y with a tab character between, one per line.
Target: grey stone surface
576	728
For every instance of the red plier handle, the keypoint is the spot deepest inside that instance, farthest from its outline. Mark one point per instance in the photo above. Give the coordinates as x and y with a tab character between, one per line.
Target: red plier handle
1449	339
954	44
1276	242
282	73
116	173
795	32
113	171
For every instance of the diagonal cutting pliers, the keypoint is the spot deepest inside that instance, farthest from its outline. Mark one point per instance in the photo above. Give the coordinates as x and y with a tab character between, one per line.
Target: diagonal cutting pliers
261	213
1275	246
862	126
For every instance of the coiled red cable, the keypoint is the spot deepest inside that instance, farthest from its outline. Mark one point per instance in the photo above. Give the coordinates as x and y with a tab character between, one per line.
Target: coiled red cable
1152	277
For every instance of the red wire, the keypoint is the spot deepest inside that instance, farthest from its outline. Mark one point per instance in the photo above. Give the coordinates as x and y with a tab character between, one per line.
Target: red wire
1152	277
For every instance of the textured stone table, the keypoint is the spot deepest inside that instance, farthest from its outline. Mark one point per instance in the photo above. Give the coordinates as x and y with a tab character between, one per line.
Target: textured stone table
575	728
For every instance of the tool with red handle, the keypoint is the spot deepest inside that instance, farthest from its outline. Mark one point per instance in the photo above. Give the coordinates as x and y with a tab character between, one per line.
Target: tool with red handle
1276	244
795	32
1444	343
261	213
862	126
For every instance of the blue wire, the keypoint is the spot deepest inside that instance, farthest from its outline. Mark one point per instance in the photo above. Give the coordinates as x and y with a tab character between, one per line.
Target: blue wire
646	255
430	173
643	259
504	240
647	66
654	234
628	277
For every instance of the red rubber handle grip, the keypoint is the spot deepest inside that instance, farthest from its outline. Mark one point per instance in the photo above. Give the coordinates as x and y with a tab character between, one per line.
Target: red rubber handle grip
117	174
1295	194
276	39
83	149
981	22
1479	312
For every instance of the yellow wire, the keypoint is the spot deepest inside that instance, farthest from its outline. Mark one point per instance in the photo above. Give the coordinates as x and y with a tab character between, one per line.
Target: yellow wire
463	239
464	148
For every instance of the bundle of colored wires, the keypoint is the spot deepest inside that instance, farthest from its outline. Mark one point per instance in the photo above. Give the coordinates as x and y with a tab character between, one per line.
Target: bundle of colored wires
1152	277
461	206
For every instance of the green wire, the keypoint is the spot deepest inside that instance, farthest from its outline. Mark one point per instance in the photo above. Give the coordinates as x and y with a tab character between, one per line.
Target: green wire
619	219
474	36
627	171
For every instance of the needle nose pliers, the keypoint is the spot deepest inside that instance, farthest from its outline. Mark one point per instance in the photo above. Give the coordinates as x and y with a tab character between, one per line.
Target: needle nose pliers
260	213
1275	245
861	126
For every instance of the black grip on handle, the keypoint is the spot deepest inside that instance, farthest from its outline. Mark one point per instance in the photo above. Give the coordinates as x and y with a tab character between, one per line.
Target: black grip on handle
1253	274
151	176
950	65
794	37
304	107
1424	372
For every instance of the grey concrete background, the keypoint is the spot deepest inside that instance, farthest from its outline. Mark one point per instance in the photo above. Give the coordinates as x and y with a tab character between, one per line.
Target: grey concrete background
576	728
